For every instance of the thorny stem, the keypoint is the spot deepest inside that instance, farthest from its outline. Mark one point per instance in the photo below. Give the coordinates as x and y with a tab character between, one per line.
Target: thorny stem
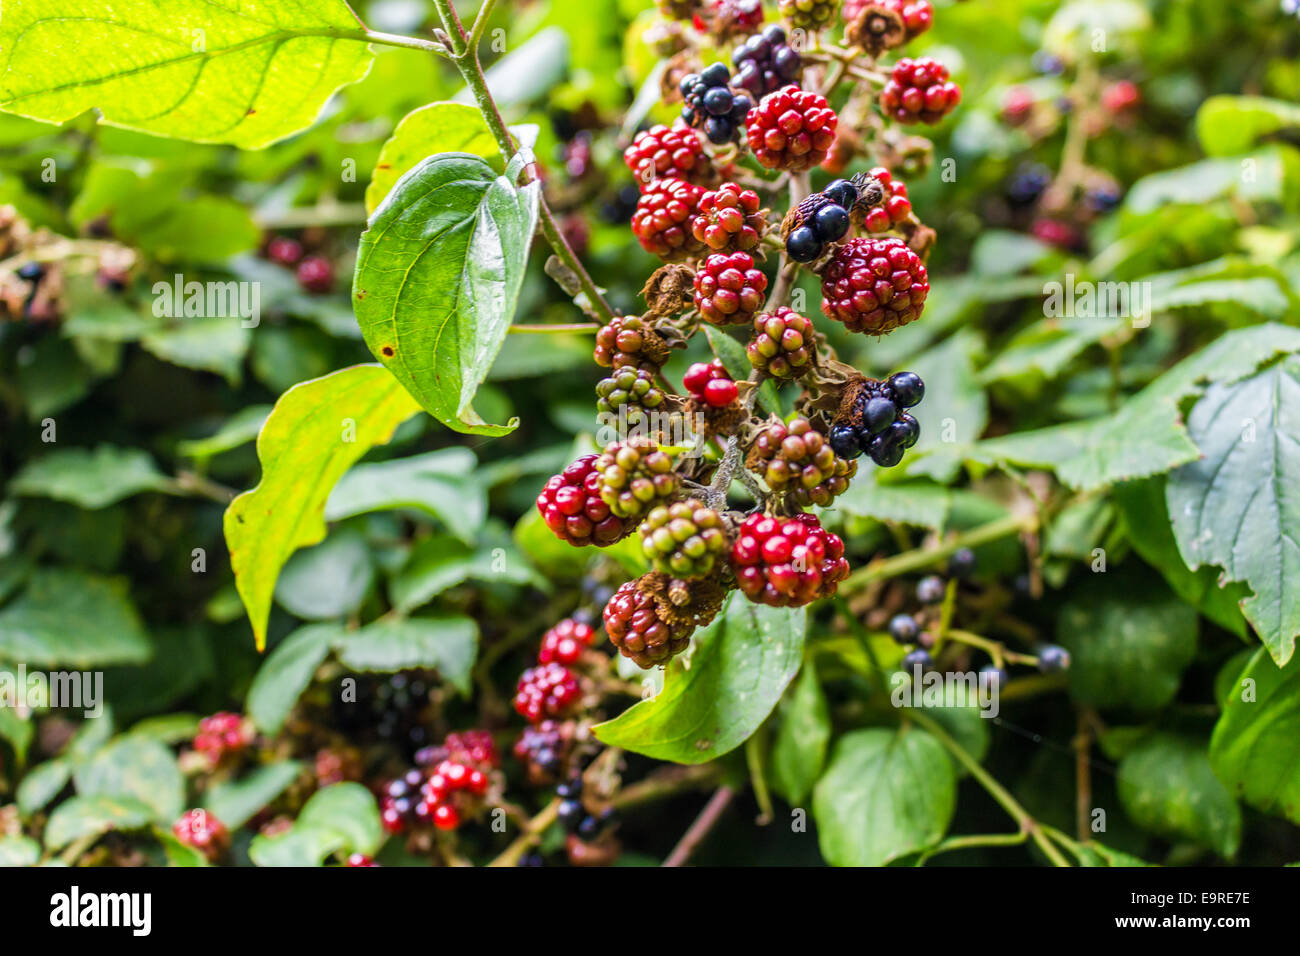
705	822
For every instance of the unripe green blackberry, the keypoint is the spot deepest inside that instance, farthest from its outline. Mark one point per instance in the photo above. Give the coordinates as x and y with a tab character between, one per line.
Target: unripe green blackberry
809	15
629	341
628	388
684	539
782	345
635	476
796	459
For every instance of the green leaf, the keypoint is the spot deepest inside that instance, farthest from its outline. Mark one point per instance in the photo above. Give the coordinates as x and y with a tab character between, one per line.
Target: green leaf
340	817
921	503
1228	125
67	617
448	643
884	795
84	816
432	129
738	668
287	672
19	850
955	411
1235	506
178	853
213	71
15	729
438	275
329	579
42	784
1091	454
239	429
1273	177
1255	749
1129	641
135	767
1141	506
235	802
440	483
90	479
318	428
1095	854
441	562
804	732
1167	787
215	345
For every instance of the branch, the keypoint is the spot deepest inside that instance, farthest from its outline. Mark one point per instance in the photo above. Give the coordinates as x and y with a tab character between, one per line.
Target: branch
705	822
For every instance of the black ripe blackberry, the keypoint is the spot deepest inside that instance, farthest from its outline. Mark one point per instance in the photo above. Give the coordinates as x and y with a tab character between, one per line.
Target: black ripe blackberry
712	106
904	629
392	707
766	62
570	814
931	589
824	217
879	423
1027	183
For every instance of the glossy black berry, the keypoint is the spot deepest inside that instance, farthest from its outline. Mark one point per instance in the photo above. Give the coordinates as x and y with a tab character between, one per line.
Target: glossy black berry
570	814
878	415
903	628
1027	184
930	589
831	222
717	129
570	789
908	388
904	432
31	271
962	563
842	192
718	101
884	452
715	74
1053	658
589	828
844	441
802	245
1102	199
917	658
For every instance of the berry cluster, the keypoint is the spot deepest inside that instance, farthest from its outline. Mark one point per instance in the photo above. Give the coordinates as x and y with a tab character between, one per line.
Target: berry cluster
877	425
712	106
663	153
808	15
628	341
315	273
201	830
791	129
223	735
683	539
820	219
638	624
728	289
635	475
545	749
766	62
630	391
782	345
452	792
917	16
572	507
787	563
919	91
897	208
565	642
874	285
729	219
797	460
547	690
708	382
663	218
401	803
574	818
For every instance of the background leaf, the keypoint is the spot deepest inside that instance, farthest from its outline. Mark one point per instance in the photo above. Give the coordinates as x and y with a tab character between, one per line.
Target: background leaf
67	617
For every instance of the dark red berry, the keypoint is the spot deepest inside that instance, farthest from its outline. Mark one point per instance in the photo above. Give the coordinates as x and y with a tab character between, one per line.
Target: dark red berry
548	690
729	289
787	563
791	129
874	285
919	91
571	506
565	642
316	274
663	153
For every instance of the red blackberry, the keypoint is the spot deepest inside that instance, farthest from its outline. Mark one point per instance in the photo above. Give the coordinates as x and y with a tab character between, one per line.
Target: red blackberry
709	383
223	735
897	207
635	475
683	539
787	563
565	642
729	219
359	860
791	129
874	285
628	341
662	221
766	62
917	15
919	91
201	830
316	274
473	747
637	627
548	690
284	251
728	289
401	805
727	18
783	343
453	792
571	506
797	460
710	105
663	153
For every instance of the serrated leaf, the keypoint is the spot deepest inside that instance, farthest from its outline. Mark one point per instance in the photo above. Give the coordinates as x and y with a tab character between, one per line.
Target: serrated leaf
90	479
1129	641
1255	749
884	795
213	71
448	644
440	483
719	693
801	739
318	428
80	816
1235	506
235	802
919	503
286	673
67	617
438	275
1167	787
135	767
327	580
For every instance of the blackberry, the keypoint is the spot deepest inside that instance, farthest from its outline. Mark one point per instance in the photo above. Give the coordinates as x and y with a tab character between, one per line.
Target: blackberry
709	382
844	441
1103	198
570	815
787	563
919	91
895	210
791	129
629	341
545	750
783	344
808	15
917	658
710	105
727	18
1053	658
663	218
201	830
766	62
663	153
1027	184
683	539
635	475
401	804
962	564
874	285
284	251
572	507
394	706
797	460
565	642
931	589
729	289
882	429
996	676
629	392
639	624
316	275
904	629
729	219
548	690
819	219
223	735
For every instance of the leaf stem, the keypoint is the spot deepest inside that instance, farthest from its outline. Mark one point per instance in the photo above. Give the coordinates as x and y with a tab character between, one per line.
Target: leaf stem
556	328
698	830
921	558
